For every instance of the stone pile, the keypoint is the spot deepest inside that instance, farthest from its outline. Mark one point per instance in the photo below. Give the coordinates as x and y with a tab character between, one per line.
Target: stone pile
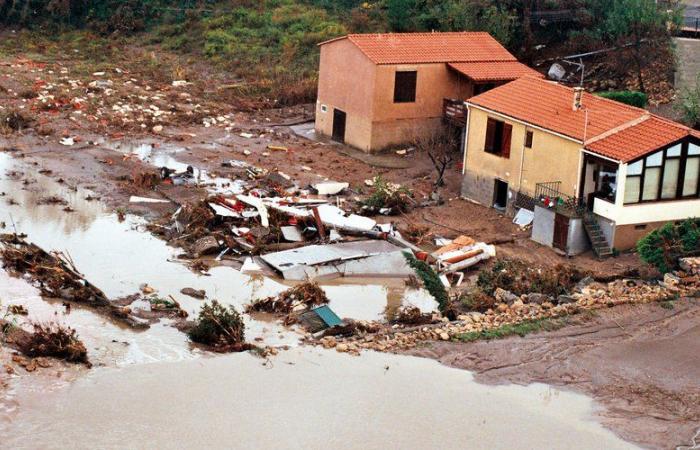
520	309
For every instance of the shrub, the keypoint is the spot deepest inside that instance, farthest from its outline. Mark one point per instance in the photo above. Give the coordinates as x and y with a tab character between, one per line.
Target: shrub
219	327
633	98
663	247
521	278
56	341
432	283
388	195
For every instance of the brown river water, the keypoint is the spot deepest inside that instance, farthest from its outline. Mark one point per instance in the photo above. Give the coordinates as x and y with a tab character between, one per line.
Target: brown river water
152	389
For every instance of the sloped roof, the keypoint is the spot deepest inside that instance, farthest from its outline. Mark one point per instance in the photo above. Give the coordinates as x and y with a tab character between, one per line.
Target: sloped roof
640	139
423	48
494	71
614	130
549	105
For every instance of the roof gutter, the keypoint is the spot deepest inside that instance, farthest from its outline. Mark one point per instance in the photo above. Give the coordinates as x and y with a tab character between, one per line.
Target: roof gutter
528	124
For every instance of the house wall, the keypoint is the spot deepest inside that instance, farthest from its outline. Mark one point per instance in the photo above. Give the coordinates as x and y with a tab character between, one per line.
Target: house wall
349	81
346	81
626	236
577	240
543	226
551	158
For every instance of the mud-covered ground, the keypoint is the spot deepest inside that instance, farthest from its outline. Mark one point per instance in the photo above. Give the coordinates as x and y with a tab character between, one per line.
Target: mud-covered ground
640	362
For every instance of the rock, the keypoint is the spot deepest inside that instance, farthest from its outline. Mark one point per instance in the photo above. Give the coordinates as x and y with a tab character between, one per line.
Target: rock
146	289
537	299
565	299
504	296
671	280
342	348
195	293
444	336
205	246
157	128
584	283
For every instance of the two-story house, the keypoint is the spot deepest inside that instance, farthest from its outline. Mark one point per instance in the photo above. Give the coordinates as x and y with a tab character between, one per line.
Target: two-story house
381	90
592	166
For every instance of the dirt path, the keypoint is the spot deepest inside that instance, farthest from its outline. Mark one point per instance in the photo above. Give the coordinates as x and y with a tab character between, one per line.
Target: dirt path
641	363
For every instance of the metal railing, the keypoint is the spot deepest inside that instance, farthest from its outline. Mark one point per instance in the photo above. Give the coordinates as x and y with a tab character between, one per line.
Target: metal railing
454	111
549	195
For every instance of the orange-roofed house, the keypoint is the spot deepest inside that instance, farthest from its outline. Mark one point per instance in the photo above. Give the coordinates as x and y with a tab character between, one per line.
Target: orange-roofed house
380	90
593	171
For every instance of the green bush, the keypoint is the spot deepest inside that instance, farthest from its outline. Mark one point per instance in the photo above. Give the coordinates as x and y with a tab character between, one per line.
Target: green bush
632	98
663	247
431	281
219	327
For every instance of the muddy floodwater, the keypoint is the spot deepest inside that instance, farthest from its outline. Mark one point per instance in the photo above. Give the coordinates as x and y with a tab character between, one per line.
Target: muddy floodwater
303	399
152	389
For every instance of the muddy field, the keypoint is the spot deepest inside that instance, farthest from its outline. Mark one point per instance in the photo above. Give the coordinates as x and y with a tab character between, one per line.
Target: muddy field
95	133
639	362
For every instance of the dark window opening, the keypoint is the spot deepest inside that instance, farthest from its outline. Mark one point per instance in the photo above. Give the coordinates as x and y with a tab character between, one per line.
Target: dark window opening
498	136
640	227
528	139
481	88
405	87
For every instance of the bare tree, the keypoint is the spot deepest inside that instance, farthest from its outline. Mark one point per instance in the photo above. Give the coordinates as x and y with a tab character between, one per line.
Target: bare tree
442	147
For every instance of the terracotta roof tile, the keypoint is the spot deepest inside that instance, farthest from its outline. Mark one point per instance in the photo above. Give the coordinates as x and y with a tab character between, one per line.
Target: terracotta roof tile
640	139
494	71
550	106
417	48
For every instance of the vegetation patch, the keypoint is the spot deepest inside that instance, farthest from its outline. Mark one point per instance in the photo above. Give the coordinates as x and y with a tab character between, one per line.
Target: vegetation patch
432	283
632	98
521	329
663	247
385	195
220	328
56	341
519	278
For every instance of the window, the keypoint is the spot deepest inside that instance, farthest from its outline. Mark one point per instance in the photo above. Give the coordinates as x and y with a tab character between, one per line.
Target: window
498	135
405	87
528	139
668	174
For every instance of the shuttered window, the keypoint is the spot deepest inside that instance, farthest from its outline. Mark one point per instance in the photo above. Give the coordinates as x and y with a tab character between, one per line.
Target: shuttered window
498	138
405	87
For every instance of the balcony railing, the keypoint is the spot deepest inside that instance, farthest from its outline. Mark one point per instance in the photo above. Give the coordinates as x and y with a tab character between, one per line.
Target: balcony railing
550	196
454	112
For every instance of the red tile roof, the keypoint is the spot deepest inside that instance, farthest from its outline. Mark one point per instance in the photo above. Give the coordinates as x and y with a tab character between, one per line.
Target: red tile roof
550	106
494	71
417	48
614	130
639	139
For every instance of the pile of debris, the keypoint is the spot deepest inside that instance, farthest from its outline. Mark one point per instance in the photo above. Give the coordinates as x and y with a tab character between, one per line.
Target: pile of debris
521	309
46	340
56	277
291	303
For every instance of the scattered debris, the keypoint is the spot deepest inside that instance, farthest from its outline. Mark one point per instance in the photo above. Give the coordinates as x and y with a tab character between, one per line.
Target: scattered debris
194	293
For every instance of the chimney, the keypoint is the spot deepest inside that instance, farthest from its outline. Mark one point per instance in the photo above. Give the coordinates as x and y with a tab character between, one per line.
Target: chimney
578	98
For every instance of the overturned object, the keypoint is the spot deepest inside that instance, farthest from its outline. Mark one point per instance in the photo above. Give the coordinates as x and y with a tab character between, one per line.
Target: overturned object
359	258
462	253
319	319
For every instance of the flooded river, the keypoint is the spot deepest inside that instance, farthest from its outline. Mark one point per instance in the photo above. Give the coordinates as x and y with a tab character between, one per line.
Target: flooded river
152	389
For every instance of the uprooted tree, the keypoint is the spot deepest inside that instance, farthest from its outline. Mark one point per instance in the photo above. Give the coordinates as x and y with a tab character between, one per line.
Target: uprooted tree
442	147
220	328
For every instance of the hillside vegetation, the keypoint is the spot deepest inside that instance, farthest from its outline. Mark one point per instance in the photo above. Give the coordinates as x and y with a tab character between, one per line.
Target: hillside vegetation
270	46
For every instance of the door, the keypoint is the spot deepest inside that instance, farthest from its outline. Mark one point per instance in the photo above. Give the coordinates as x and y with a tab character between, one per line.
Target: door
339	118
500	194
561	232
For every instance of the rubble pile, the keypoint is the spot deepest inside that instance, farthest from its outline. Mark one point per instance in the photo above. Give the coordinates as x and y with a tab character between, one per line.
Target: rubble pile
291	302
520	310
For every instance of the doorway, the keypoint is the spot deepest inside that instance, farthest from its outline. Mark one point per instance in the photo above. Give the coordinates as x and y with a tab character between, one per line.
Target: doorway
500	195
561	232
339	119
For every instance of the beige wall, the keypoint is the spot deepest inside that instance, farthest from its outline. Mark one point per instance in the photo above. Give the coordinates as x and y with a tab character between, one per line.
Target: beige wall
551	158
346	82
349	81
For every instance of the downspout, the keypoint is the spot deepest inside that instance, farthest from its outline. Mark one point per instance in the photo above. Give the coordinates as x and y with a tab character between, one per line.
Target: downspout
466	140
522	164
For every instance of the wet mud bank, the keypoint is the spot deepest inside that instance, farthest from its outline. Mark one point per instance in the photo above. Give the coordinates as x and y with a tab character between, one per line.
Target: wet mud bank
639	362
